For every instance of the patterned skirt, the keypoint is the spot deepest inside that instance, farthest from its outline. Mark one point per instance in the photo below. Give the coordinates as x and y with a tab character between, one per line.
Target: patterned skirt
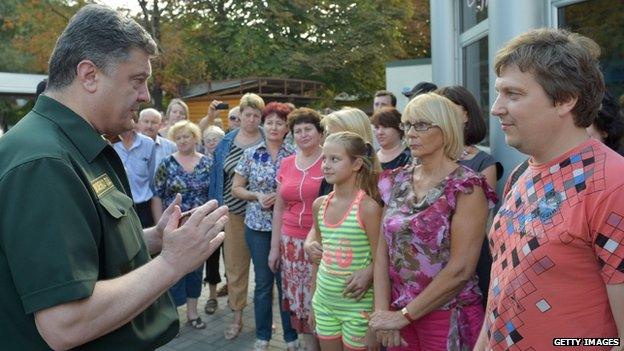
296	273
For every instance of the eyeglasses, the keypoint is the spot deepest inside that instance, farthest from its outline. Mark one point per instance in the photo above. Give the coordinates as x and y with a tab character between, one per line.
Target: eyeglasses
418	126
232	118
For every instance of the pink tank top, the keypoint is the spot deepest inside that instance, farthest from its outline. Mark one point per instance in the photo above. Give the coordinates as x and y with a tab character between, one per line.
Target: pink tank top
298	188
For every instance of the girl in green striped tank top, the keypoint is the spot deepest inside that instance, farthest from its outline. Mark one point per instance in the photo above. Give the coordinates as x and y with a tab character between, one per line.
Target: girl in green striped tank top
347	221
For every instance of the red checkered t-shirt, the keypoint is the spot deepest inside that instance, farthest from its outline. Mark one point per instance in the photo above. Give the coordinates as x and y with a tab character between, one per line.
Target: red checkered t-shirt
556	242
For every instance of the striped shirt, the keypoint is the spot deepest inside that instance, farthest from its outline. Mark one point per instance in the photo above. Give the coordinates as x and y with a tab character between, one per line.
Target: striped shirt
235	205
346	249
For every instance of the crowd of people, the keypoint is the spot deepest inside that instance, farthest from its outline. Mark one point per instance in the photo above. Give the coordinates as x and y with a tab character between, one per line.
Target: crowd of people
372	230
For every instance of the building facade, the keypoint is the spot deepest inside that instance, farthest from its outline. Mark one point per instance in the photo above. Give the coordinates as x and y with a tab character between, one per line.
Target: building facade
465	35
401	76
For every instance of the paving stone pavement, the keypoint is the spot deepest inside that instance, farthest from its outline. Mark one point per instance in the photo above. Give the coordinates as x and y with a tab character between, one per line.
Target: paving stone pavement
212	337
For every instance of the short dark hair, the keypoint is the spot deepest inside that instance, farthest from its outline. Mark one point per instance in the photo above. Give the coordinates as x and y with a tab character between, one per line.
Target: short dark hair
387	93
564	64
388	117
304	115
41	87
280	109
475	128
610	121
100	34
420	88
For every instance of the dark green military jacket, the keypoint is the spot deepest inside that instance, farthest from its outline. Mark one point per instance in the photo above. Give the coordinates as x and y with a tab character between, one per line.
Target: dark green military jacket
66	221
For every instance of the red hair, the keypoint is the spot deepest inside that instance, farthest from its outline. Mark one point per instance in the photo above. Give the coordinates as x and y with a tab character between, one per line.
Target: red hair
280	109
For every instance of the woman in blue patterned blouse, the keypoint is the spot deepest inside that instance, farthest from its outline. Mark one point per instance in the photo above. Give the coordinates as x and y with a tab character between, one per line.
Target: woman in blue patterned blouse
255	182
185	172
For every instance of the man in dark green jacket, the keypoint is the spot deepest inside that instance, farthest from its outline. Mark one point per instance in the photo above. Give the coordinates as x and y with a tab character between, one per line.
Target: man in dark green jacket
75	266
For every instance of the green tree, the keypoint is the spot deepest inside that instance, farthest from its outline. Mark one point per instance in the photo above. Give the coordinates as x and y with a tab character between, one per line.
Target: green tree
178	62
11	59
38	24
344	44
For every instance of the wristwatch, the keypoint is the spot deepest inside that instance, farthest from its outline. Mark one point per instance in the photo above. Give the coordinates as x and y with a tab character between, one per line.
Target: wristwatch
406	314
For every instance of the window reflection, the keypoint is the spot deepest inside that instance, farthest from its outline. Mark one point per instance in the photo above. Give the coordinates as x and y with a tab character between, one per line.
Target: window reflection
476	77
472	12
600	20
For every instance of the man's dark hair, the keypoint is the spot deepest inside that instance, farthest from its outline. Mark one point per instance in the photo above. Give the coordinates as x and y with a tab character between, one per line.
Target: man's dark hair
565	64
475	128
41	87
100	34
420	88
387	93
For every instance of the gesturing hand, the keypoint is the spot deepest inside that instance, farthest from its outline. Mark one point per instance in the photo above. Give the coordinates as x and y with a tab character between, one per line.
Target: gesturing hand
186	247
164	219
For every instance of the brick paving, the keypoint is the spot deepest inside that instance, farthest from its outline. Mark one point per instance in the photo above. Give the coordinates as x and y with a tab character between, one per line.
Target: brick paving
212	337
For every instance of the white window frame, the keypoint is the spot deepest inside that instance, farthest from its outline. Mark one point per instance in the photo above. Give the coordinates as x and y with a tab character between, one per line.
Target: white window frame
553	9
468	37
473	34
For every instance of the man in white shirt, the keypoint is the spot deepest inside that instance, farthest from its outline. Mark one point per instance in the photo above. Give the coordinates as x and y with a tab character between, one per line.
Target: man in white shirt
137	153
149	122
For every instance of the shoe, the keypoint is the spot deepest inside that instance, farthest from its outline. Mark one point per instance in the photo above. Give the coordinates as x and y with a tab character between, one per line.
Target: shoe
232	331
261	345
211	306
222	291
196	323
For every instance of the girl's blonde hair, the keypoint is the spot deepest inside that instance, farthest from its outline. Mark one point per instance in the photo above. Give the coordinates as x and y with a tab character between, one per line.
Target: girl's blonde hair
442	112
356	148
352	120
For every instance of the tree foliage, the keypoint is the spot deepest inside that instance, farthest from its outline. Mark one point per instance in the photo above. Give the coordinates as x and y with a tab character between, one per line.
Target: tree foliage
10	58
343	43
37	25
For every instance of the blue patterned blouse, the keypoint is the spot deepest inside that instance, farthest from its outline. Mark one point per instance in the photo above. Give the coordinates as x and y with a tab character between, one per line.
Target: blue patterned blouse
171	178
260	171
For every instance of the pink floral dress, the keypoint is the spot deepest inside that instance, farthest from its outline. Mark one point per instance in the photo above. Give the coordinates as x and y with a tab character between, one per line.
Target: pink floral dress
418	237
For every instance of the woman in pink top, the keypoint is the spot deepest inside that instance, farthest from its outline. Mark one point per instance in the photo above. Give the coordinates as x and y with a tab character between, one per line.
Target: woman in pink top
298	182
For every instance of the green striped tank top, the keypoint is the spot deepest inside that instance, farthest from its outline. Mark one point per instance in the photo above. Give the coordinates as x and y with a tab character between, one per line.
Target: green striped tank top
346	249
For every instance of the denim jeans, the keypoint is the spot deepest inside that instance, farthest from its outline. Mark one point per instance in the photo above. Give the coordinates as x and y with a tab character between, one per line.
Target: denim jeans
189	286
259	246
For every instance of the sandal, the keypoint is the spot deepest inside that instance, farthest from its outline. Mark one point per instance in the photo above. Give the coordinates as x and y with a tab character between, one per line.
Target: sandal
211	306
196	323
232	331
222	291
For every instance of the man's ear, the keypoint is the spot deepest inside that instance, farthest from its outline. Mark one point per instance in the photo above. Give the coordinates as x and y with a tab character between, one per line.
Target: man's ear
87	74
566	107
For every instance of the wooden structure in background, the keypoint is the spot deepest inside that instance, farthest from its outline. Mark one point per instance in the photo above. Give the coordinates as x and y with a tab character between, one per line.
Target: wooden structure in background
297	91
